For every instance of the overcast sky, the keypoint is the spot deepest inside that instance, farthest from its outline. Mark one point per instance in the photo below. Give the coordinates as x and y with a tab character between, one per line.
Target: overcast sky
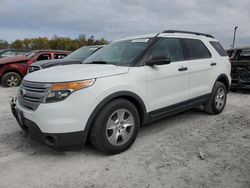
112	19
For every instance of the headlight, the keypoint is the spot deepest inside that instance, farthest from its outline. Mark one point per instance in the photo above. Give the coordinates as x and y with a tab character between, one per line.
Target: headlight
60	91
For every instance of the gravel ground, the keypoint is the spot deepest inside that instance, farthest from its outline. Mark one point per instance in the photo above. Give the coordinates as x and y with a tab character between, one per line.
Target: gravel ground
191	149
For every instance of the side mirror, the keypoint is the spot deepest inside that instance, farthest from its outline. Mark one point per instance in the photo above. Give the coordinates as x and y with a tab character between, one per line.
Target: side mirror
158	60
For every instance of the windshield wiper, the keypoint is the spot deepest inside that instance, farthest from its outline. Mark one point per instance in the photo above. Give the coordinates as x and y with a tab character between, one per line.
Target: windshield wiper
97	62
102	62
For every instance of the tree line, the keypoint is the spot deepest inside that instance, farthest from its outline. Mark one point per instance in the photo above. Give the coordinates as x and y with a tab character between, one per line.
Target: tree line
55	43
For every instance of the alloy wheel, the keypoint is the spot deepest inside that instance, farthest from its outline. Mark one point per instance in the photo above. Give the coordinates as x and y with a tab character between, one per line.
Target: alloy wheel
220	98
12	81
120	127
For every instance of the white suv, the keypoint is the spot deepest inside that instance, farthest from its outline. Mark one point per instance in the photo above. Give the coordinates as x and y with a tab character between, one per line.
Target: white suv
127	83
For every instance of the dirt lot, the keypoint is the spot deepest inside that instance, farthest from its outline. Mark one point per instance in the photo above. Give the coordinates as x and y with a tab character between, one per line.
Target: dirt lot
191	149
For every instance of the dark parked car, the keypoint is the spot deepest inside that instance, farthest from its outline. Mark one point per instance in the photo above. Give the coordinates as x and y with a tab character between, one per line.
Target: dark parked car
13	69
240	71
12	52
75	57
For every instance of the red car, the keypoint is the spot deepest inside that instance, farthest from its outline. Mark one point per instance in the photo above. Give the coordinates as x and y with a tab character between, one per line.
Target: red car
13	69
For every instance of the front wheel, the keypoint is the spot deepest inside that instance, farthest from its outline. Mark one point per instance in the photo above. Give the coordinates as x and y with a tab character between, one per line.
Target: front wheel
217	99
116	127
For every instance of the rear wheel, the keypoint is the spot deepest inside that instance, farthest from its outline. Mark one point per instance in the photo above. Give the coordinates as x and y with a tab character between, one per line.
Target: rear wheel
116	126
217	99
11	79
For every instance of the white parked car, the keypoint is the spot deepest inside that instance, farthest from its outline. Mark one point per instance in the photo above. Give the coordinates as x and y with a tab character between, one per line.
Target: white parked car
128	83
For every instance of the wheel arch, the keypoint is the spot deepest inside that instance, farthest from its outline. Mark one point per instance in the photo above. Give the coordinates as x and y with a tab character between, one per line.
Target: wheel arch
130	96
13	70
223	78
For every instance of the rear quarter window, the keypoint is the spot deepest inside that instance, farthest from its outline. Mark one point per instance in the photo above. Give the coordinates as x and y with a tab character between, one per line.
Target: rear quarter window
196	49
218	47
59	56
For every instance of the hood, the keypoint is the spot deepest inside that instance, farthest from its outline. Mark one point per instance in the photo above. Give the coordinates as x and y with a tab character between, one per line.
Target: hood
75	72
14	59
50	63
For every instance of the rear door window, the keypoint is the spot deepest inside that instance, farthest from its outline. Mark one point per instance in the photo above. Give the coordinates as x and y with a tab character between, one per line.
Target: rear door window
218	47
196	49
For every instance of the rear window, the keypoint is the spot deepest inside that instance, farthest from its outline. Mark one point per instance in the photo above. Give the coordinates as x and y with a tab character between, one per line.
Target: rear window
196	49
218	47
244	55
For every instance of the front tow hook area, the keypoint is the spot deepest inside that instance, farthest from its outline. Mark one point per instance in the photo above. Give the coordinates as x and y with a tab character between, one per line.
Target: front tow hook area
17	114
13	105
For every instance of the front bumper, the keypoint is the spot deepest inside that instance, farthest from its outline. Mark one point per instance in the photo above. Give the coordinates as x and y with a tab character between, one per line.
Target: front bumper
59	141
69	115
240	84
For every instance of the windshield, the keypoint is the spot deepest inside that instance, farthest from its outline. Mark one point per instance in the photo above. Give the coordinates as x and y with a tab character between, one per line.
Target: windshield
82	53
119	53
29	55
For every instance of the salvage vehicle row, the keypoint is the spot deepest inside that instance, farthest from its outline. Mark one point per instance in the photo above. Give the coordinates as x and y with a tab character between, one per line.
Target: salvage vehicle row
13	69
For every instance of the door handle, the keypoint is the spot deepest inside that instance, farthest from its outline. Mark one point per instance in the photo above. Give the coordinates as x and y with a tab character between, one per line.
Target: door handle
183	69
213	64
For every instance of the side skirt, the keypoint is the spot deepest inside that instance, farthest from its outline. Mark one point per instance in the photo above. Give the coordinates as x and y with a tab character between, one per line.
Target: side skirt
177	108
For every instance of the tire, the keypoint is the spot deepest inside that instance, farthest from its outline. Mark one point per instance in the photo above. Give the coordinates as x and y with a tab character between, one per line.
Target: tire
217	99
112	134
11	79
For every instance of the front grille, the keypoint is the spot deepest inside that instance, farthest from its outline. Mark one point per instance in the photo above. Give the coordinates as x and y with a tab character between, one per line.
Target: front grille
34	68
32	94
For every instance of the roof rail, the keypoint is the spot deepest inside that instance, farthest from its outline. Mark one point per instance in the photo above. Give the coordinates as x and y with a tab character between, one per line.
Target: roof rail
188	32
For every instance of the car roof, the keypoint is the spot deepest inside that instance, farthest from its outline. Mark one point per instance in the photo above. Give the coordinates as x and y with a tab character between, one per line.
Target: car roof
173	33
189	32
93	46
137	37
13	49
61	51
241	48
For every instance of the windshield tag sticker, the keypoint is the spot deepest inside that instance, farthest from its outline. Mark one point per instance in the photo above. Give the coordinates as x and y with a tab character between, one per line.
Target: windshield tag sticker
140	40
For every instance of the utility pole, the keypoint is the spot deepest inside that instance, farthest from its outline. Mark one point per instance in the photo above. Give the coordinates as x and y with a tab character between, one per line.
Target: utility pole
235	29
